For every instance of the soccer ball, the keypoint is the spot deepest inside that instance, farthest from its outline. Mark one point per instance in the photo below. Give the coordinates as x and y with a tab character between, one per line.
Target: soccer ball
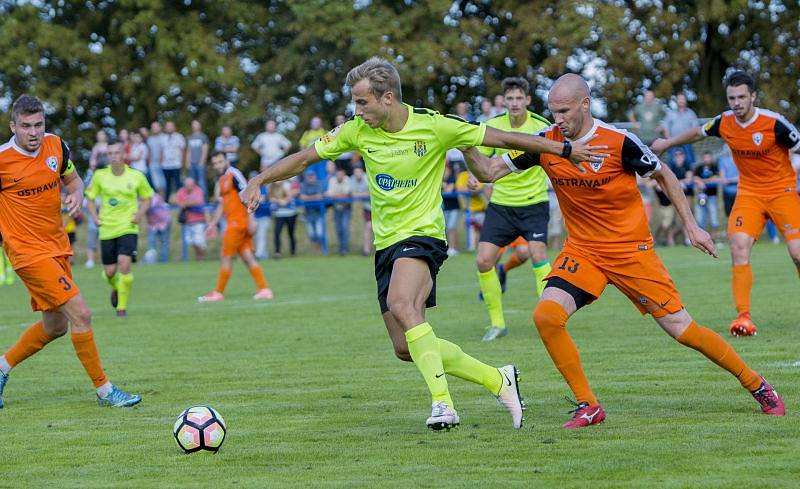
199	428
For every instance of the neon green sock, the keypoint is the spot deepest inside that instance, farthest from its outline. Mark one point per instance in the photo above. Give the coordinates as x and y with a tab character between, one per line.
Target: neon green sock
459	364
492	297
113	282
541	269
124	284
424	350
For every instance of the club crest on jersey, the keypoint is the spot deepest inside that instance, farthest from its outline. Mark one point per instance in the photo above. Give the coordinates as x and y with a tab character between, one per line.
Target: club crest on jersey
420	148
52	163
595	165
757	138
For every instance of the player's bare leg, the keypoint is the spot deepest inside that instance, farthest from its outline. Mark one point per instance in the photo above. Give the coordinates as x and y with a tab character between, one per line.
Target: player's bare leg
794	252
687	332
77	312
491	289
550	317
742	283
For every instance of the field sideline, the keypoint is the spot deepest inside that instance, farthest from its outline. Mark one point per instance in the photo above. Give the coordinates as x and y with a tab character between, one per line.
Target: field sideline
313	396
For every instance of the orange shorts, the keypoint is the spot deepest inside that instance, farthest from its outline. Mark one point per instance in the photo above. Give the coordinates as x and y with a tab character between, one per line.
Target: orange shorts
49	283
236	240
640	276
750	213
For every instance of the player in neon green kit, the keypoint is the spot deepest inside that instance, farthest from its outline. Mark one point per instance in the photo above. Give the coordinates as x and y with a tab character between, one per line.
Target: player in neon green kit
125	197
404	152
518	207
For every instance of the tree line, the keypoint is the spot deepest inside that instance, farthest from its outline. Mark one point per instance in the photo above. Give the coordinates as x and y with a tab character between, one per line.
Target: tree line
124	63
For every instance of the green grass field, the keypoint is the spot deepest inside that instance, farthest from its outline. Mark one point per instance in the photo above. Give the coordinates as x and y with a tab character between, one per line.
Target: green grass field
313	396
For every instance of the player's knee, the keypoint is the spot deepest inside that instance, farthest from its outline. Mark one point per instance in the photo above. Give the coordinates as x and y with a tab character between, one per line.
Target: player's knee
56	329
548	317
402	309
485	263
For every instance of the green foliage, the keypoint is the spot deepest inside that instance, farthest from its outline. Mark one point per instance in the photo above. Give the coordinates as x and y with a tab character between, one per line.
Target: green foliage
314	397
123	63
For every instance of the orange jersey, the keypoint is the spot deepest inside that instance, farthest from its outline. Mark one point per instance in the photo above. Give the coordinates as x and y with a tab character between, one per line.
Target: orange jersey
30	201
230	184
602	208
760	149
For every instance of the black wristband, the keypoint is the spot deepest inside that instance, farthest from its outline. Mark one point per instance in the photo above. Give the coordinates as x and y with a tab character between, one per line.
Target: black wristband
567	151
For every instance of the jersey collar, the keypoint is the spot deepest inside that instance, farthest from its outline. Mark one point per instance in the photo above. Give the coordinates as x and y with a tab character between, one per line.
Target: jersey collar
589	134
14	145
756	113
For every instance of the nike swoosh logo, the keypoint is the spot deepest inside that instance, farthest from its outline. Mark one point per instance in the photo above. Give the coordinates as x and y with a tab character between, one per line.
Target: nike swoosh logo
409	248
538	235
553	163
666	302
439	375
590	417
508	381
17	180
371	150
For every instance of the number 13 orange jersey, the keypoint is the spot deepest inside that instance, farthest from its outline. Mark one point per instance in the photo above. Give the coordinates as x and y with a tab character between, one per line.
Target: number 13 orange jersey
30	201
602	208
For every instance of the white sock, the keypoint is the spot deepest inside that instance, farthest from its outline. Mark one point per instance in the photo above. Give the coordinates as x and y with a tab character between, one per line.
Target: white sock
4	366
104	390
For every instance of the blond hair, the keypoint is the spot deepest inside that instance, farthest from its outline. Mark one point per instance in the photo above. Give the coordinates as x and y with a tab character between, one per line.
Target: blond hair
382	76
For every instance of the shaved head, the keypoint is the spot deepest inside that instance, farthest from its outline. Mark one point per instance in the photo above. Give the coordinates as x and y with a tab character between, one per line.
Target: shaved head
570	87
568	101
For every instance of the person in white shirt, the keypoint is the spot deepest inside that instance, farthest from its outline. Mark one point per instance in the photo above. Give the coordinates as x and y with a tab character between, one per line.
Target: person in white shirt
270	145
172	162
138	154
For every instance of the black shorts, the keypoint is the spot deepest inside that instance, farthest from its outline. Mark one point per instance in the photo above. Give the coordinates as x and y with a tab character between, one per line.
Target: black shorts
432	250
110	249
503	224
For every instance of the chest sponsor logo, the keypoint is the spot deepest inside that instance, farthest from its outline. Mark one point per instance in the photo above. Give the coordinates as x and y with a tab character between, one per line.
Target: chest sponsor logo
757	138
388	183
28	192
113	202
52	163
580	182
420	148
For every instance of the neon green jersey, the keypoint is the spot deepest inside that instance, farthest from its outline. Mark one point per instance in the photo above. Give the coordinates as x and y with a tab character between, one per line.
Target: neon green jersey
518	189
119	195
404	169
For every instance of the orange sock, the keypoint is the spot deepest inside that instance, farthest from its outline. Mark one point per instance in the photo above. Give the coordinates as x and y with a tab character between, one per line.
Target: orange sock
513	262
720	352
222	280
742	282
258	277
86	350
551	321
32	340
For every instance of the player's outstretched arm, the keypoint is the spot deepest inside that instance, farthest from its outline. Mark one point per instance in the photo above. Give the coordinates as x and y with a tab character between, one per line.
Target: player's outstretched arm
698	236
286	167
690	136
74	199
576	152
484	168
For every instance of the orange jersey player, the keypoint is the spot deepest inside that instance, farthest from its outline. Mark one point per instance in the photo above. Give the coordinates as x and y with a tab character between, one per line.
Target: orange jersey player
609	242
33	167
238	236
760	142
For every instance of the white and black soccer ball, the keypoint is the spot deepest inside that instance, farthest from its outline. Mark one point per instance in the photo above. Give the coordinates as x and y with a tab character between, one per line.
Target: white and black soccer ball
199	428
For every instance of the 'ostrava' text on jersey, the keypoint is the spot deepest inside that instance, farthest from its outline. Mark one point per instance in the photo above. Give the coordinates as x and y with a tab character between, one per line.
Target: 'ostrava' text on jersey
230	184
404	168
602	208
30	201
760	149
518	189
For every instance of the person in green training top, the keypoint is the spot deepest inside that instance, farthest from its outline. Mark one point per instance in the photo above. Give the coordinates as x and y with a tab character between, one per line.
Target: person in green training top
404	153
519	206
125	197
